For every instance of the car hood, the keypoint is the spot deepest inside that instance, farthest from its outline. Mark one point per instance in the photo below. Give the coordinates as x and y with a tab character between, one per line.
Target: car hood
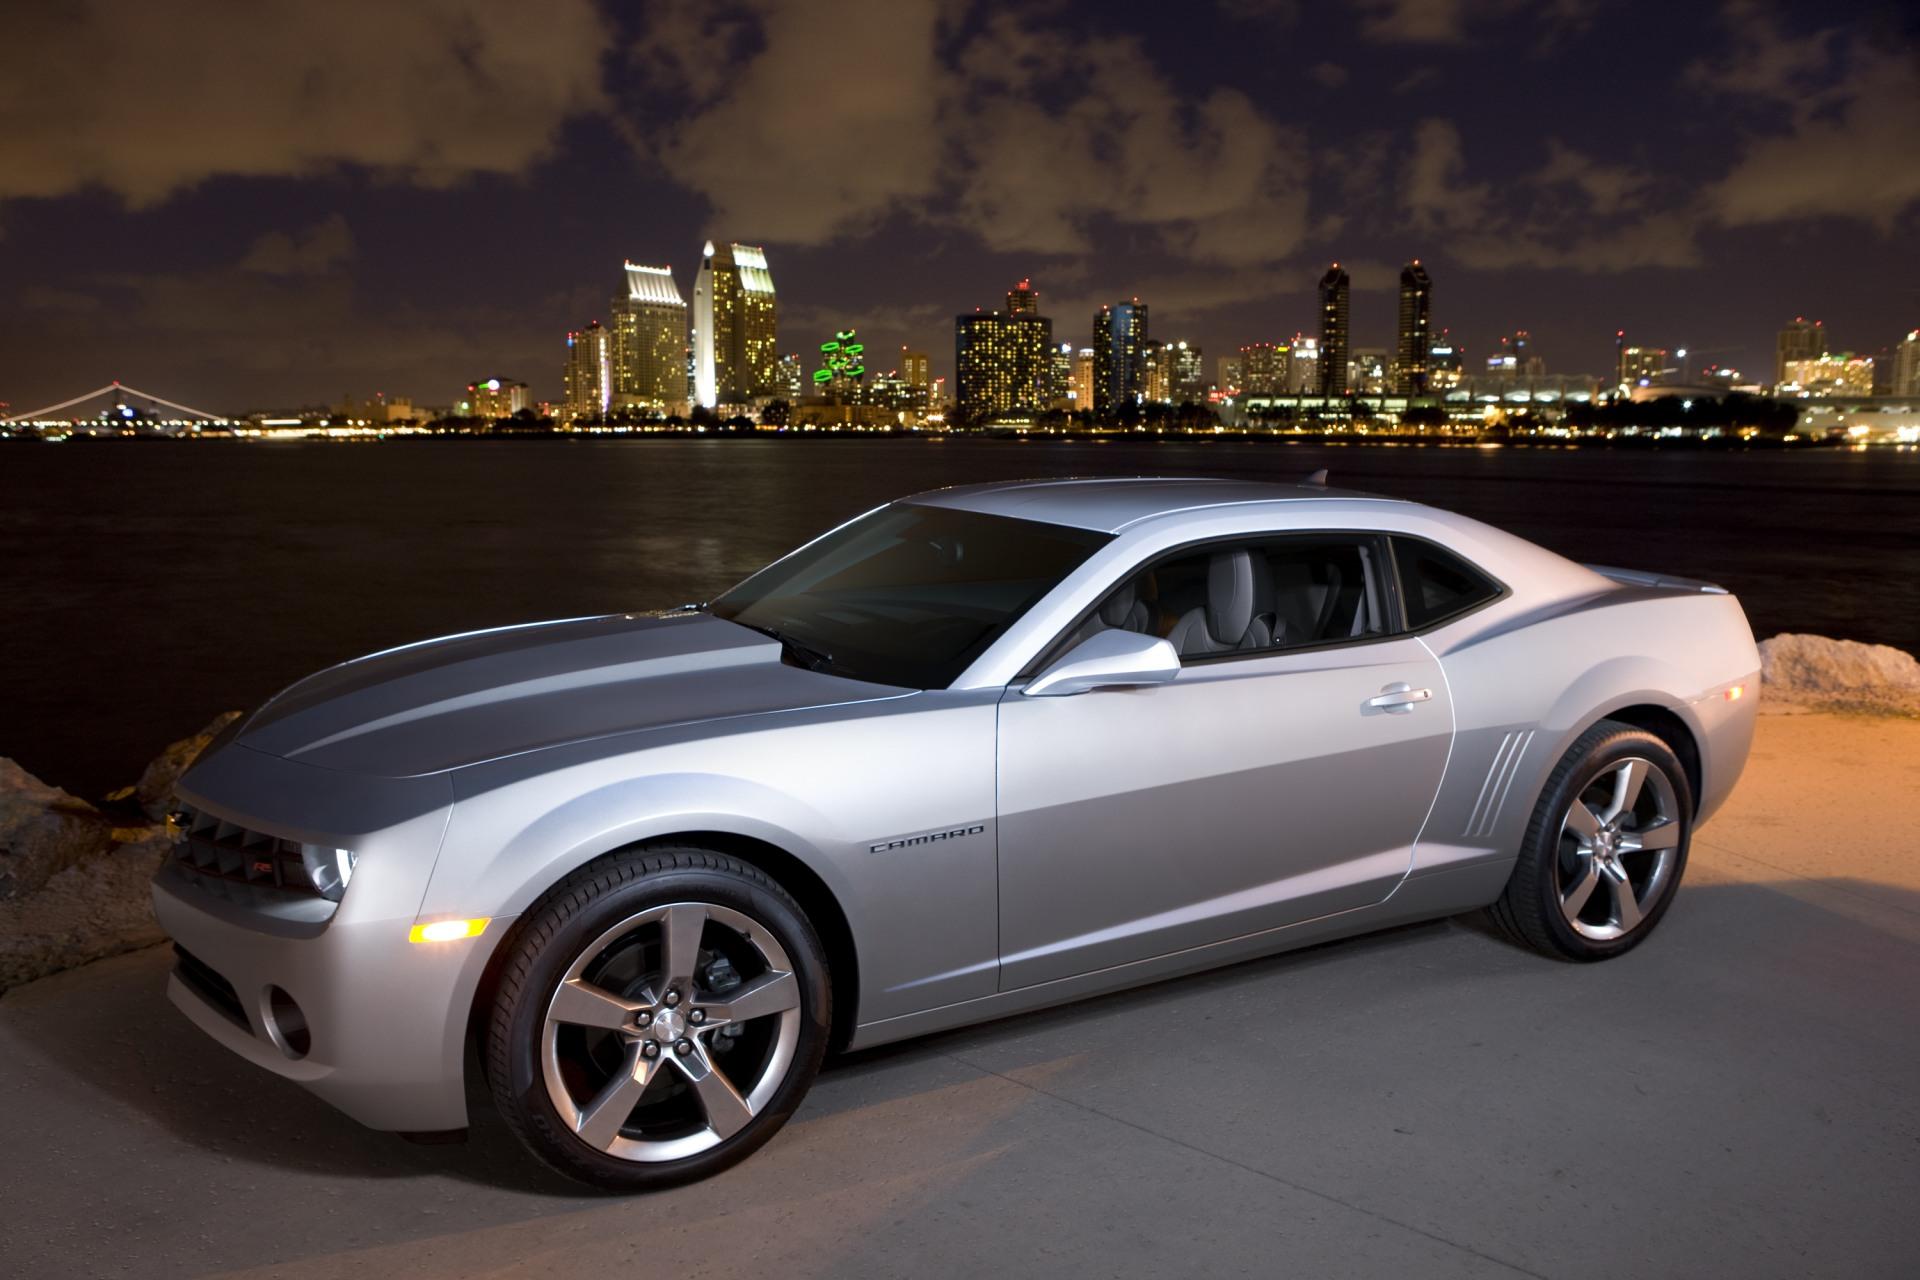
442	704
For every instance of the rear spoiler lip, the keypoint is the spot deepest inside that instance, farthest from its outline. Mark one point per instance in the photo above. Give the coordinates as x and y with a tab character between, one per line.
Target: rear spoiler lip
1641	578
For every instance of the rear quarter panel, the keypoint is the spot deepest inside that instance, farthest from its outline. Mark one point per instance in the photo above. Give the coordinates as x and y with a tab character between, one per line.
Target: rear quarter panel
1527	682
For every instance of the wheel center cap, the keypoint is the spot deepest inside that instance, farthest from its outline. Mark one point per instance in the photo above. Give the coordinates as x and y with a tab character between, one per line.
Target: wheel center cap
668	1025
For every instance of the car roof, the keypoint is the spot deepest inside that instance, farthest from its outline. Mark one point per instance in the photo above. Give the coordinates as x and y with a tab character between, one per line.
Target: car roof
1110	504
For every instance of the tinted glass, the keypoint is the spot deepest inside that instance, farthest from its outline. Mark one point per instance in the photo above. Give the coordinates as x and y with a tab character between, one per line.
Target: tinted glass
908	595
1437	584
1274	593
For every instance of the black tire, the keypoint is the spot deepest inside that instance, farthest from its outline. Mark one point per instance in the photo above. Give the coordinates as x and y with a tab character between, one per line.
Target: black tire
1530	909
572	917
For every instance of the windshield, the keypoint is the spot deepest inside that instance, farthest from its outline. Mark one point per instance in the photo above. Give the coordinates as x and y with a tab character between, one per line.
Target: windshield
907	595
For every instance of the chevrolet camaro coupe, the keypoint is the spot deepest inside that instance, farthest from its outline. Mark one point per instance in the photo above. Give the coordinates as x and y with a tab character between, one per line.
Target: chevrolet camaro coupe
975	752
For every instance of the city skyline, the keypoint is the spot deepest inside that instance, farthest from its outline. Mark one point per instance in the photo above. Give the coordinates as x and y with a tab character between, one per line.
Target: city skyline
252	251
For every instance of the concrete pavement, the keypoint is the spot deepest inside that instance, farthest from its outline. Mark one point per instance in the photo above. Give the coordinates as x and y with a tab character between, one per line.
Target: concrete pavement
1737	1097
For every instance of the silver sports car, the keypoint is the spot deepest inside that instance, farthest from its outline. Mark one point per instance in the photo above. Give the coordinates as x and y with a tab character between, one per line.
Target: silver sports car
975	752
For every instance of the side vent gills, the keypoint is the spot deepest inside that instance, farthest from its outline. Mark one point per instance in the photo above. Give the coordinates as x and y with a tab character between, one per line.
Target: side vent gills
1493	792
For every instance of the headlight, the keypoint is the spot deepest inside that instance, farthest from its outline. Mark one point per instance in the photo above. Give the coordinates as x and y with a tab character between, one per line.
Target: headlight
328	868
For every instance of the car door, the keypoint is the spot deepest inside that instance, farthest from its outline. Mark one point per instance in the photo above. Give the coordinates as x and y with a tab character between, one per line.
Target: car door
1277	778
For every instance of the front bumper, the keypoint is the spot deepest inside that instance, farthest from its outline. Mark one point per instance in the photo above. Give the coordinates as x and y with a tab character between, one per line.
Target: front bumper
385	1019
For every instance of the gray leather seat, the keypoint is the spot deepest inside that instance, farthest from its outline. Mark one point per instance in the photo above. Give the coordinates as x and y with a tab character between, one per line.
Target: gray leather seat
1226	621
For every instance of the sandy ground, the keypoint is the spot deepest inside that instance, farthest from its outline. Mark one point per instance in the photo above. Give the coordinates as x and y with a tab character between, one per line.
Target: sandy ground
1738	1098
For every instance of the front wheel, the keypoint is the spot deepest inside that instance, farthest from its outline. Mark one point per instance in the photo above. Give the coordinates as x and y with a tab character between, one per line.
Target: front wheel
1605	850
660	1015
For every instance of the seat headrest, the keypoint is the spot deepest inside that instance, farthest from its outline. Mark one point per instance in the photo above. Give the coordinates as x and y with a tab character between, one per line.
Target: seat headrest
1229	595
1118	607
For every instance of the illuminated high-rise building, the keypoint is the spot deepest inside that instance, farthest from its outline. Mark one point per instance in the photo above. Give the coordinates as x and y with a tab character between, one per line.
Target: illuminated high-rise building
1367	372
1187	373
1119	355
1002	361
1159	372
588	378
649	339
1263	369
1906	366
1446	363
1334	350
1410	367
791	375
1083	380
496	397
1229	375
1802	340
1023	299
1060	376
917	370
1303	361
735	326
1640	366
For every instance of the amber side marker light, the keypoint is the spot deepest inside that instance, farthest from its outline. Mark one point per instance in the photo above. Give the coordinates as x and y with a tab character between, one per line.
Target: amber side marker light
1734	694
448	930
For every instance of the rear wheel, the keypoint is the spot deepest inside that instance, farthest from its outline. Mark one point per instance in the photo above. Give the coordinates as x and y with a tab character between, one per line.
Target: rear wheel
1605	849
660	1016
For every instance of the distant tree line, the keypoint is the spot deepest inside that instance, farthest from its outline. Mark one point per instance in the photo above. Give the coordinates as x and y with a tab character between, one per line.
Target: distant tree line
1735	411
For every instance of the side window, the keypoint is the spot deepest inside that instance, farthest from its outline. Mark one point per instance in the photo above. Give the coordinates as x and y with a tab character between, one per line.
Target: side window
1254	596
1437	585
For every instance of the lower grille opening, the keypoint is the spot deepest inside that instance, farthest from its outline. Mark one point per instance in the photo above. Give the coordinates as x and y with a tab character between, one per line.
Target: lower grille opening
210	986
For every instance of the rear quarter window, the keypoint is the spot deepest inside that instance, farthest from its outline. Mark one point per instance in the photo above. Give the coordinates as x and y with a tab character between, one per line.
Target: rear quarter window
1436	585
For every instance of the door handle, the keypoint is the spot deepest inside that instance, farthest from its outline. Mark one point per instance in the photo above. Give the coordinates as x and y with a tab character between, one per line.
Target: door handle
1400	698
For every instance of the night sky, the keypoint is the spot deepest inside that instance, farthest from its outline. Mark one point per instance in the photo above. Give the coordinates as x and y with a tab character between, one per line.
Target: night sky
271	204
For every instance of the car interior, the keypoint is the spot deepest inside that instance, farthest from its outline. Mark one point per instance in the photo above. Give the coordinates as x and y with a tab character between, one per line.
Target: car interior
1278	594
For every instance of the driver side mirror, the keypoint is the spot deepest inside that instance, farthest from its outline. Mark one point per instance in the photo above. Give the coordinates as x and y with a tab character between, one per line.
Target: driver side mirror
1107	660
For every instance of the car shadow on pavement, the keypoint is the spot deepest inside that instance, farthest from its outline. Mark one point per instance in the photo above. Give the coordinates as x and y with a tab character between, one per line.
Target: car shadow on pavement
109	1029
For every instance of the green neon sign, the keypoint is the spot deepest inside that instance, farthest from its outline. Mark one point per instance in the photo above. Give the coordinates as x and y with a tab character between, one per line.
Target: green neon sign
840	357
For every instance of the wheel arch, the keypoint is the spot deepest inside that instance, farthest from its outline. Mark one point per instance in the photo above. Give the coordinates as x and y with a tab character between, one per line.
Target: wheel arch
1671	728
789	871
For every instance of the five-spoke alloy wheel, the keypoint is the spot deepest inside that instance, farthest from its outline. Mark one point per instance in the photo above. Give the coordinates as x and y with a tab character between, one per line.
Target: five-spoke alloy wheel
1605	849
661	1015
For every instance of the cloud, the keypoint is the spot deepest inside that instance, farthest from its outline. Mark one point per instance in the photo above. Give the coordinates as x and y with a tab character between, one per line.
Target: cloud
426	92
1024	136
1449	21
320	248
1851	106
1328	75
824	130
1572	213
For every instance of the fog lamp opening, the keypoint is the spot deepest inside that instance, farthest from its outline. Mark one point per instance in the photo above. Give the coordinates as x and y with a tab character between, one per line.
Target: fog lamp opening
287	1024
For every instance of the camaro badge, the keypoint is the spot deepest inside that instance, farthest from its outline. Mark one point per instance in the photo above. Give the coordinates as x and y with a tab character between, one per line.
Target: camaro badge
907	842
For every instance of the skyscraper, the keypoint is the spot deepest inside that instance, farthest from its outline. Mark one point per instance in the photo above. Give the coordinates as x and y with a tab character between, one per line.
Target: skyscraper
1334	287
1083	380
1801	340
1229	374
1119	355
1060	375
1023	299
649	339
1002	360
1303	358
588	378
1906	366
734	326
1189	373
1263	369
917	369
1411	360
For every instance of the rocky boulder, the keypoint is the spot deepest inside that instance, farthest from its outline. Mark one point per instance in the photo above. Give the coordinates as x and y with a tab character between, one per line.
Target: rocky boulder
156	784
43	831
1839	675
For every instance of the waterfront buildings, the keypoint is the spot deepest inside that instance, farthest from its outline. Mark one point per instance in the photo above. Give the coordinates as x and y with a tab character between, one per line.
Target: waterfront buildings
1906	366
1229	375
1002	360
1083	380
1831	374
588	377
1187	372
1446	363
917	369
1334	349
495	398
1801	340
649	325
1119	355
1303	365
1412	354
1263	369
735	327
